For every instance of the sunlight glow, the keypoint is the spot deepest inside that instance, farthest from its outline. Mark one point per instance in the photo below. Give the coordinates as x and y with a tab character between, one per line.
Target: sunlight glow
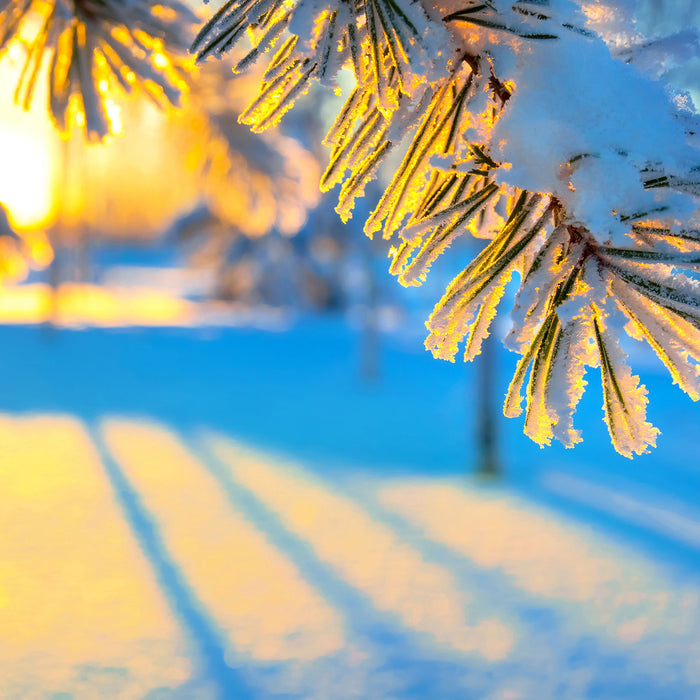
26	177
255	592
81	614
132	185
160	60
89	305
114	114
369	555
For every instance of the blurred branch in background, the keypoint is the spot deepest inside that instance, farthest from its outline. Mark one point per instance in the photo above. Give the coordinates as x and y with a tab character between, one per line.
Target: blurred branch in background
248	185
237	203
78	57
84	49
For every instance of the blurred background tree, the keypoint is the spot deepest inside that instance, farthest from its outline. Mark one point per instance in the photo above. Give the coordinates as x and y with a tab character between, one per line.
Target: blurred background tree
148	150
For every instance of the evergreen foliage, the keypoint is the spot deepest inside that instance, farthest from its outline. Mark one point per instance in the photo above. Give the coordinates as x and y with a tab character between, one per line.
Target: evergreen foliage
534	124
437	82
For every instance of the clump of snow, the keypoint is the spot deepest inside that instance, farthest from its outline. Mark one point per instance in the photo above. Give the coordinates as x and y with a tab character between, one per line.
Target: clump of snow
584	126
613	20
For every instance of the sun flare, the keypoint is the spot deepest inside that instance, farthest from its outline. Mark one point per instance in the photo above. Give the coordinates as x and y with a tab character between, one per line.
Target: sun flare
26	176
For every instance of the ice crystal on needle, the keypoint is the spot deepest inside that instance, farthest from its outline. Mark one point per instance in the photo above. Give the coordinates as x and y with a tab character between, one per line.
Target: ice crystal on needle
543	127
516	123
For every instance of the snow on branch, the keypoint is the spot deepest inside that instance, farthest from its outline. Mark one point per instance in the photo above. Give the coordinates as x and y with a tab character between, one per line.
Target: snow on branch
542	127
529	123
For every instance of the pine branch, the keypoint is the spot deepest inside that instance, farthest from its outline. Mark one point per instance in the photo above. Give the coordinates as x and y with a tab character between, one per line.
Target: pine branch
441	102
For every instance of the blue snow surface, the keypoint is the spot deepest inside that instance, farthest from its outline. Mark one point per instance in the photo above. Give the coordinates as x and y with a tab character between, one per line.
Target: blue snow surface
577	571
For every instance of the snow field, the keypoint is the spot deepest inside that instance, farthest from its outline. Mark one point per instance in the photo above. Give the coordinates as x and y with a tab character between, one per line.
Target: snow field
143	559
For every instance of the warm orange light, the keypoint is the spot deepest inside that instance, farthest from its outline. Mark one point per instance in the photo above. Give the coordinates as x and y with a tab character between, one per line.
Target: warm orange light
37	245
160	60
26	175
88	305
76	592
114	114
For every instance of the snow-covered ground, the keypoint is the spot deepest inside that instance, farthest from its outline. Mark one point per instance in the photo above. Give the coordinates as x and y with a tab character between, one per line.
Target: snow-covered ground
223	512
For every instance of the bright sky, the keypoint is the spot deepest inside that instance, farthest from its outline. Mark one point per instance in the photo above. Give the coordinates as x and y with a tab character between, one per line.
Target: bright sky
28	146
120	186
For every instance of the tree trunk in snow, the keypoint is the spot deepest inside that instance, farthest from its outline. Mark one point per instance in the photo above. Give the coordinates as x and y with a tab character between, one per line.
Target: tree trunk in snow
486	438
369	361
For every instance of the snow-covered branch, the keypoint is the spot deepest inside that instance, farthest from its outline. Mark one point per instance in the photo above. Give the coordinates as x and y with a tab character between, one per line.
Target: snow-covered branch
532	124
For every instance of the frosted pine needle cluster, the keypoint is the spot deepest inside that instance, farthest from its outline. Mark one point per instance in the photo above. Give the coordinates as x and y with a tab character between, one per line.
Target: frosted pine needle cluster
86	47
517	124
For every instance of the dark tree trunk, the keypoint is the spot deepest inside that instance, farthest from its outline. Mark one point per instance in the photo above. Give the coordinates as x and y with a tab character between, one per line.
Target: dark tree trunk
488	463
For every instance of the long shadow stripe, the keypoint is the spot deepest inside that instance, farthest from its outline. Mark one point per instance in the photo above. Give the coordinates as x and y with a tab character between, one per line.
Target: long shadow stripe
81	614
591	585
182	600
418	671
423	596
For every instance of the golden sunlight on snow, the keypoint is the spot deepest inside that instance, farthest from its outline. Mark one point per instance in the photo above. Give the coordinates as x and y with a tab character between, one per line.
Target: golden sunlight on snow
558	561
79	606
75	305
131	559
369	555
256	594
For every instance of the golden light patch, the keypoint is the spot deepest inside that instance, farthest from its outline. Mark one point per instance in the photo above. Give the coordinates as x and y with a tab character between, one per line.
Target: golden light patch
80	611
368	555
89	305
255	593
28	150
